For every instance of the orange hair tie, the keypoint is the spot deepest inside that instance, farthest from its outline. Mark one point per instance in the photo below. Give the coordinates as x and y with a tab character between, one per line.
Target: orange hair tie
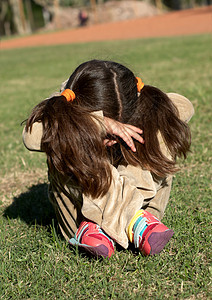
140	84
69	95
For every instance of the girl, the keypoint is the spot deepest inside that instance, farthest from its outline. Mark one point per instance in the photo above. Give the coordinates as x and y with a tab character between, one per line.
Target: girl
111	144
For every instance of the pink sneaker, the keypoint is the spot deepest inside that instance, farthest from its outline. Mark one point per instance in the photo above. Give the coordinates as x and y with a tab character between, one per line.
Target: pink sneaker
91	237
149	234
155	239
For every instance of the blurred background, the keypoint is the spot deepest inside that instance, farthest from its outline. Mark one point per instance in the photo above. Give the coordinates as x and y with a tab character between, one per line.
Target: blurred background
20	17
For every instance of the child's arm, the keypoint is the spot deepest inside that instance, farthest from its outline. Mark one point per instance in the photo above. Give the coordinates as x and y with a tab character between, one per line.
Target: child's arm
32	139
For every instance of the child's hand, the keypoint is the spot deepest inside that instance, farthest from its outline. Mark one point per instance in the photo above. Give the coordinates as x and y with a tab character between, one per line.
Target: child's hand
125	131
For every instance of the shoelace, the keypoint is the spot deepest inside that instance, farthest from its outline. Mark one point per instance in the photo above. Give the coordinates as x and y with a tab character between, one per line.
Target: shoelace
77	237
138	229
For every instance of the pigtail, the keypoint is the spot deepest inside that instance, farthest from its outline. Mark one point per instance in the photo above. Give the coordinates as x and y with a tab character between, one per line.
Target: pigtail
73	142
163	131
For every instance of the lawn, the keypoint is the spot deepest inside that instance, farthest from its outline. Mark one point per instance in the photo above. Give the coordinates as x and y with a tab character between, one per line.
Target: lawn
35	261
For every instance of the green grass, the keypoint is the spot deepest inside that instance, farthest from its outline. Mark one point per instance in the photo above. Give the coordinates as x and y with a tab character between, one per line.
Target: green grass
35	261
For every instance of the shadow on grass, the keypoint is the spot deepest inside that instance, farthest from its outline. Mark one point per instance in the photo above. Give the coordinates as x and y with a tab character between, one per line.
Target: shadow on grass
32	207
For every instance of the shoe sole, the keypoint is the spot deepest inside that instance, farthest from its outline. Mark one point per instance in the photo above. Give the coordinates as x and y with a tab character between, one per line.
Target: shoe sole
158	240
101	250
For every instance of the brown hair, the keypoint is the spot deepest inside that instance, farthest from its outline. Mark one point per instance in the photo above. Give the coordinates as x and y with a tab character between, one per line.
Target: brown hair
73	141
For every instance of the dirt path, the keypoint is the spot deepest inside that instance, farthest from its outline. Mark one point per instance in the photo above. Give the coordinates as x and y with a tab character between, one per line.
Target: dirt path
187	22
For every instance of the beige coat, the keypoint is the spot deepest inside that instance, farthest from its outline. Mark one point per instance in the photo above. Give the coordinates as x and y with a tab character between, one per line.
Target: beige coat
132	188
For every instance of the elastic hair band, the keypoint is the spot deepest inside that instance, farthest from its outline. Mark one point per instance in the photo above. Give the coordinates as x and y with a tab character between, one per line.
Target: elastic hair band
140	84
68	94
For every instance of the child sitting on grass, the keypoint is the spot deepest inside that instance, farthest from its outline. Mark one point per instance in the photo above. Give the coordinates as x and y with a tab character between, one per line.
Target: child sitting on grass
111	144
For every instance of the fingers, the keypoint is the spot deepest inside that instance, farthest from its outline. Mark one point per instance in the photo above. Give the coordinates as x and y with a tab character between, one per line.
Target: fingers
134	128
126	132
129	133
126	137
135	133
109	143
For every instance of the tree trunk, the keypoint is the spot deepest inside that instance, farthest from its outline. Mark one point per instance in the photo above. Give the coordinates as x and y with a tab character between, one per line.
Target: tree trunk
18	16
56	13
93	7
159	5
3	12
30	15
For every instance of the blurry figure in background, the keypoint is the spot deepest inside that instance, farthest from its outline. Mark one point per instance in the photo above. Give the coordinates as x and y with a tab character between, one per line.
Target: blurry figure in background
83	18
47	16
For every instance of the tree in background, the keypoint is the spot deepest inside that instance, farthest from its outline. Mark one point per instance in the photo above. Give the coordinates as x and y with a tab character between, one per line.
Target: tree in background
17	16
4	23
12	17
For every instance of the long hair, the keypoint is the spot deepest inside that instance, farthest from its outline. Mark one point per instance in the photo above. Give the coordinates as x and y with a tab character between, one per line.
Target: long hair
73	141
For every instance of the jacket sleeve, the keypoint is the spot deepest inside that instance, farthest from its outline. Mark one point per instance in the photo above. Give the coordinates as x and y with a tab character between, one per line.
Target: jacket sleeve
184	106
32	140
